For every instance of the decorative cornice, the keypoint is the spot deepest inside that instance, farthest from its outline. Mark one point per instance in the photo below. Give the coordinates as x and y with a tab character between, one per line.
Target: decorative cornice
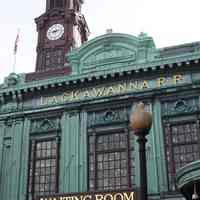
46	15
141	95
151	62
107	116
75	79
181	106
45	125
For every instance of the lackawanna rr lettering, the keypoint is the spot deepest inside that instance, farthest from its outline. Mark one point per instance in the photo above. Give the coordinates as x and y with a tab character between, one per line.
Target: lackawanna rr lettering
94	196
113	89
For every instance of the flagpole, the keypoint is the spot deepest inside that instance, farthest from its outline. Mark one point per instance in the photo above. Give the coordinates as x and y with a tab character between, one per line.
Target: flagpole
15	51
14	63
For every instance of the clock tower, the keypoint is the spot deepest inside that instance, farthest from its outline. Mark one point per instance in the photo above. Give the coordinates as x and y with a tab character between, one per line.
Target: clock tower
61	28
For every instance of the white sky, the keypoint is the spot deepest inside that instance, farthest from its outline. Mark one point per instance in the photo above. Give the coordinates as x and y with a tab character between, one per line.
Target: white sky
169	22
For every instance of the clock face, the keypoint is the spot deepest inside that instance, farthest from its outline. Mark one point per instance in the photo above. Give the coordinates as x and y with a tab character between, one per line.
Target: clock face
55	32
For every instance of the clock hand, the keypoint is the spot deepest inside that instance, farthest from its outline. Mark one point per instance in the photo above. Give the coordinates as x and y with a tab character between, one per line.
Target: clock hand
55	31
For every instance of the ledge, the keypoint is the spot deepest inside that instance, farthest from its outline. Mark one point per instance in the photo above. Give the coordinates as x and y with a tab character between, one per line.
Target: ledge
187	174
41	75
186	177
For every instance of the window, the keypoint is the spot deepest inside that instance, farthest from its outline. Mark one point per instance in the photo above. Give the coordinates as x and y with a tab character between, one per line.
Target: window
52	4
43	167
59	3
56	3
182	147
54	58
111	160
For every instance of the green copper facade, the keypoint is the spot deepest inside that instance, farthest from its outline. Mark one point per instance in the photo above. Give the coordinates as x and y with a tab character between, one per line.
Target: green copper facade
109	74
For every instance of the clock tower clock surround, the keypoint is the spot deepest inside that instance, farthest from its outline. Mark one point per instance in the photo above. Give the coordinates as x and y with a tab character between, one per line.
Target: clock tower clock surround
61	28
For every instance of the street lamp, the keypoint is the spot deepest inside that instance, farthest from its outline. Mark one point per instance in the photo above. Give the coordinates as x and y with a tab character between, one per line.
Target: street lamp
140	122
195	196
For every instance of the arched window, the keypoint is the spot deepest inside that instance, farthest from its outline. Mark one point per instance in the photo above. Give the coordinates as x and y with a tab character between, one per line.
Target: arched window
52	4
111	151
43	174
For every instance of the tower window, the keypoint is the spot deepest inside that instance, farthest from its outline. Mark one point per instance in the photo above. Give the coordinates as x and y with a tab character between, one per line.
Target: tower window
54	58
59	3
56	4
52	4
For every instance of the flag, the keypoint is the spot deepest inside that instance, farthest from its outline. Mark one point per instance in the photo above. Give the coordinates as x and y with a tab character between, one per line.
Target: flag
16	43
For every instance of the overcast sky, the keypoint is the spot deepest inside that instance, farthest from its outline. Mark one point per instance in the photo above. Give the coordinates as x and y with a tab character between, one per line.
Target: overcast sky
169	22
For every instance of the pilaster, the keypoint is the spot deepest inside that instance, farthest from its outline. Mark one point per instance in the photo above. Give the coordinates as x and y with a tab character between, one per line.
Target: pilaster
70	153
7	163
2	129
17	132
24	161
83	153
159	147
151	158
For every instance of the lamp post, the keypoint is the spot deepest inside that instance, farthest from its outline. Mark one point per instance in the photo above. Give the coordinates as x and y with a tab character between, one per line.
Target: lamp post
140	122
195	196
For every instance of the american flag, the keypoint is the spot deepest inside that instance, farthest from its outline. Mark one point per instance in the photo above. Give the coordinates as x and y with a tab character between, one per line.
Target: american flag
16	43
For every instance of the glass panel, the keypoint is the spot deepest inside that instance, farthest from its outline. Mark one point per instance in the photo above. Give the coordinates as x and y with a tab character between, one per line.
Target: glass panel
43	165
59	3
111	161
181	144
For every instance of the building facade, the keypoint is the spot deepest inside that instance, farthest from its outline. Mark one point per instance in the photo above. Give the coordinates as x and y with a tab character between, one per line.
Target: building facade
65	127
